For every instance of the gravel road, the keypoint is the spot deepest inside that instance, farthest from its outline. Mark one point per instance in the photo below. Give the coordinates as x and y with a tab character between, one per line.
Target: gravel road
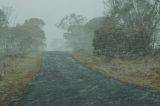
62	81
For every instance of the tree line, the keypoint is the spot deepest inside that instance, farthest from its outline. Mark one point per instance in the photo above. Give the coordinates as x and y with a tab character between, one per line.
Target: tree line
129	28
21	38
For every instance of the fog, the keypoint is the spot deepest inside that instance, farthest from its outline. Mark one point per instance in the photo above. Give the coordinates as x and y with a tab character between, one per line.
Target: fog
79	52
51	11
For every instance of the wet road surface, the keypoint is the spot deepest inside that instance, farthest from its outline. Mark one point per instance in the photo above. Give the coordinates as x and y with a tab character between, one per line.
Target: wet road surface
62	81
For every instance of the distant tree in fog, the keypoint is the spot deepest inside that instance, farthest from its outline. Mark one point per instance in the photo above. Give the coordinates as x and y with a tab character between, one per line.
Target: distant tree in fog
3	19
75	35
71	20
21	38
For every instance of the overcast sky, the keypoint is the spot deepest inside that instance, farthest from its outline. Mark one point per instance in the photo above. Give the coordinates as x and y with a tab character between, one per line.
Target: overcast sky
51	11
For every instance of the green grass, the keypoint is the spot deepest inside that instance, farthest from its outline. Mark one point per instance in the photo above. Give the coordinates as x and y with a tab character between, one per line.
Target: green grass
15	75
141	71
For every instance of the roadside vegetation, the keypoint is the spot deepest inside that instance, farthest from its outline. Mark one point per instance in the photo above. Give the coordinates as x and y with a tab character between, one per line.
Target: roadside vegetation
124	43
15	75
20	55
144	71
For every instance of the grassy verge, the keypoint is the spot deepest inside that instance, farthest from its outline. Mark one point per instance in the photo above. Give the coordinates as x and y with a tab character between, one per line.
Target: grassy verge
141	71
15	75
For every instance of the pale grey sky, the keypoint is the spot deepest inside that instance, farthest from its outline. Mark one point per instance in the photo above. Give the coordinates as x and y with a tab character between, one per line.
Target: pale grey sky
51	11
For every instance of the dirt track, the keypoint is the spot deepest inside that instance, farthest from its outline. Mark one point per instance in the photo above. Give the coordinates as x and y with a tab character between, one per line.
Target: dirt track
62	81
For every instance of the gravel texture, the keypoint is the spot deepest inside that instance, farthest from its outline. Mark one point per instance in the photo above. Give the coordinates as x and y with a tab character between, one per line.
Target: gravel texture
62	81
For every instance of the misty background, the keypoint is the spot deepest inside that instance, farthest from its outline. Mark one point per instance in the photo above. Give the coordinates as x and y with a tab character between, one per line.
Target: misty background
51	11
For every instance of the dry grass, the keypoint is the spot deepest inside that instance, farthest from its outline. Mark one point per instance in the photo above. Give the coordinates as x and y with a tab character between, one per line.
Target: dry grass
15	75
142	71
